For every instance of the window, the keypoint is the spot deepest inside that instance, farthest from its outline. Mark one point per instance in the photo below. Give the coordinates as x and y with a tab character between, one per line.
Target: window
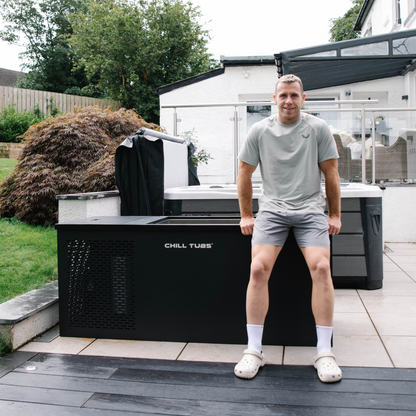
379	48
404	46
257	113
252	114
329	117
319	54
411	10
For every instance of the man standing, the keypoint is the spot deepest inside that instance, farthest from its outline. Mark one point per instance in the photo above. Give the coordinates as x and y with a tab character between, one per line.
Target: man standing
292	149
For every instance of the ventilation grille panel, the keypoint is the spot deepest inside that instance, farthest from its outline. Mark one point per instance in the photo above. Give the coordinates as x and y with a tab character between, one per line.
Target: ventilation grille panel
101	286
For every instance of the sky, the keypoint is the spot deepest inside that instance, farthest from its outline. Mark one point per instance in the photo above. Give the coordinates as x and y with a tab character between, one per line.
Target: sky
249	28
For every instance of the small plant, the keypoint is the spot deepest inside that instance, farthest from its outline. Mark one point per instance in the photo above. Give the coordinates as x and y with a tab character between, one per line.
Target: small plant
4	349
199	156
54	110
38	113
14	124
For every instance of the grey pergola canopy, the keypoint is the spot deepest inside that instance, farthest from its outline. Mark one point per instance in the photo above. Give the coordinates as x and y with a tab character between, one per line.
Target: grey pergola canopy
351	61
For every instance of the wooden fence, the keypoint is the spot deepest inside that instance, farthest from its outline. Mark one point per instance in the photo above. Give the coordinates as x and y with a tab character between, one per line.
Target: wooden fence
23	99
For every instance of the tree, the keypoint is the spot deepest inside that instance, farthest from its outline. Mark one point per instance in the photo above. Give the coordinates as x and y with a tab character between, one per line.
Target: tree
69	153
343	27
45	28
136	47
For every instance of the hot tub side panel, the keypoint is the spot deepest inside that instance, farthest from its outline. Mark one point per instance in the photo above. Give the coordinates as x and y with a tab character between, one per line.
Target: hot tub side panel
175	283
356	258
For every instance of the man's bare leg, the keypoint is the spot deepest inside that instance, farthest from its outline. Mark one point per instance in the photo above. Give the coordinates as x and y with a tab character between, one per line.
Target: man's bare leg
257	305
257	300
318	260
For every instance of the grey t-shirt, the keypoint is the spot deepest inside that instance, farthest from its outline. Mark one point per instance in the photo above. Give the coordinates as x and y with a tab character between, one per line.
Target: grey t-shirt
288	156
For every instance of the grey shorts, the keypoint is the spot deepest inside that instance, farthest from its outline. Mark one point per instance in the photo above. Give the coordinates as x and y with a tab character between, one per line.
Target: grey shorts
309	229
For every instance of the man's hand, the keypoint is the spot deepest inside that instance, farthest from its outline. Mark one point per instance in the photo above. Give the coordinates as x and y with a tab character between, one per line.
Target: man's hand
245	197
333	194
334	225
246	225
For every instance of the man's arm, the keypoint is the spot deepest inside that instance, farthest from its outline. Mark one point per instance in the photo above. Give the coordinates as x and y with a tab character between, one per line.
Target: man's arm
333	194
245	196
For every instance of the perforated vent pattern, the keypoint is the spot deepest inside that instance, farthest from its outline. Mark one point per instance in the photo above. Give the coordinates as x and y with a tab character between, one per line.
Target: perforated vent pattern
101	284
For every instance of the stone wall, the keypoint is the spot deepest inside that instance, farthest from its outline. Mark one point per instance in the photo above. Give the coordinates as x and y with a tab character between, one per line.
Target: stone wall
11	150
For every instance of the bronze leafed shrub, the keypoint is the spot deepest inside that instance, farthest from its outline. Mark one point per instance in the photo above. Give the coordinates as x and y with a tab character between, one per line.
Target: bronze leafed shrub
70	153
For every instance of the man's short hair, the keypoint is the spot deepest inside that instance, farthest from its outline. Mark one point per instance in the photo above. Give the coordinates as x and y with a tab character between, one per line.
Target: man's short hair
288	79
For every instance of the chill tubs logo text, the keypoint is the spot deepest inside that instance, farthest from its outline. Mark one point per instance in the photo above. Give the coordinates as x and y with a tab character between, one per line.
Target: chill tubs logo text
189	245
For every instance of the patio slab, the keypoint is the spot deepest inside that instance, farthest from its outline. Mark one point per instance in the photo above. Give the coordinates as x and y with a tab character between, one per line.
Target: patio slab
349	350
134	349
227	353
402	350
395	323
352	323
59	345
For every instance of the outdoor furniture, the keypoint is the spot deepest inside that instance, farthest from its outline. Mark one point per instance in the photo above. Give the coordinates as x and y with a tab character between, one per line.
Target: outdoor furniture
391	162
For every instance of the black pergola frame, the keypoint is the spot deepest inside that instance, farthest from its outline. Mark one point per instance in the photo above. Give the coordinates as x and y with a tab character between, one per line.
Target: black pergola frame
319	72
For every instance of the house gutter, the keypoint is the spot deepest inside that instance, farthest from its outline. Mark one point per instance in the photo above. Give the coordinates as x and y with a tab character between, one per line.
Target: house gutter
365	9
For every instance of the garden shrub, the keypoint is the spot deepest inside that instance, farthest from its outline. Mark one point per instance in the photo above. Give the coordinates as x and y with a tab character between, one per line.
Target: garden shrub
13	124
70	153
4	349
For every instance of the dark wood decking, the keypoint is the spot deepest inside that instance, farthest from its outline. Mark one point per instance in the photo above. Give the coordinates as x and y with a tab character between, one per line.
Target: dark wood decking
65	385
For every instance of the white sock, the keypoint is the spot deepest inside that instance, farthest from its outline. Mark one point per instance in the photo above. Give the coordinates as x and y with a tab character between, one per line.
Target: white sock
324	335
255	336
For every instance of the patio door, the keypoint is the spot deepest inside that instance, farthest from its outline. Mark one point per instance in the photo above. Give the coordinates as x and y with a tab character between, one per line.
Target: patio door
252	114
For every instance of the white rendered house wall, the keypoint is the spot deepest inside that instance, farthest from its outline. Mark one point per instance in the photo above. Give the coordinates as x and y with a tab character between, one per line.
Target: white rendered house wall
213	125
383	17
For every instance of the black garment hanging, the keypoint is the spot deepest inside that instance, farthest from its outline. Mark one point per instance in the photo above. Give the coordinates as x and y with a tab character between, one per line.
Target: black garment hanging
139	166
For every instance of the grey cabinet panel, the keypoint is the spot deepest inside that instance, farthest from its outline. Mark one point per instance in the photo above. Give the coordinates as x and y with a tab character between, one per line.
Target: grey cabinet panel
351	223
344	244
349	204
348	266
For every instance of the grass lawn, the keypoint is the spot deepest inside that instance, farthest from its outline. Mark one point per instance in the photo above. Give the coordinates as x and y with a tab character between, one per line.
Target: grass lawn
28	254
6	166
28	258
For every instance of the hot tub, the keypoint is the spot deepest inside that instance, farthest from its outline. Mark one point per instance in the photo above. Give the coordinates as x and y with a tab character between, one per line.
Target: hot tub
356	253
184	278
208	199
178	279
